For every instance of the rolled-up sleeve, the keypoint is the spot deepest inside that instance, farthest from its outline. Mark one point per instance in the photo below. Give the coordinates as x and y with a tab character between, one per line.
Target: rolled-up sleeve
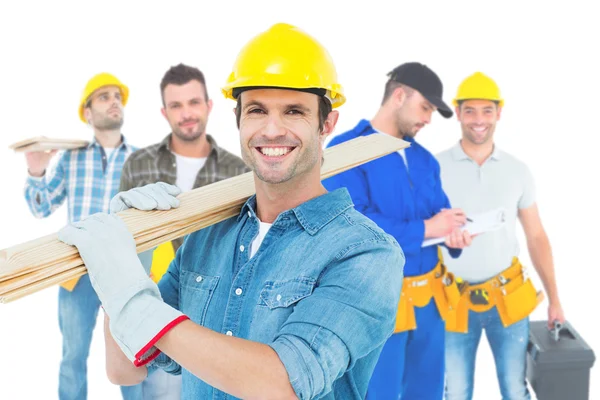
44	195
350	313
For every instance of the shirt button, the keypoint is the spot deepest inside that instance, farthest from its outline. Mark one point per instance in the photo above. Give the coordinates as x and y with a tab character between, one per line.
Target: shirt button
174	164
249	214
229	333
238	291
199	279
242	248
278	297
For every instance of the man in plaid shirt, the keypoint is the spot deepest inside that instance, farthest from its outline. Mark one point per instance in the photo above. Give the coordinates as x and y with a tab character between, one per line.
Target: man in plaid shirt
87	178
187	157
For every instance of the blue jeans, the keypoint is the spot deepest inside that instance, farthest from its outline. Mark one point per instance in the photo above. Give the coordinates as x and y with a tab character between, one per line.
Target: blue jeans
77	314
509	346
411	364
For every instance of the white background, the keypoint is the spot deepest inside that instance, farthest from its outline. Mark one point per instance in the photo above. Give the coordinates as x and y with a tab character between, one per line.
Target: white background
542	54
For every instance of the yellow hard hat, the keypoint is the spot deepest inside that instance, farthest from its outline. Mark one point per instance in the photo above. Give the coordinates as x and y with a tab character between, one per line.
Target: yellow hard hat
478	86
286	57
100	80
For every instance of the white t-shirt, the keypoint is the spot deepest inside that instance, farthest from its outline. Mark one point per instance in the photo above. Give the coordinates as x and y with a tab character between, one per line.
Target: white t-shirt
187	170
403	155
262	232
108	151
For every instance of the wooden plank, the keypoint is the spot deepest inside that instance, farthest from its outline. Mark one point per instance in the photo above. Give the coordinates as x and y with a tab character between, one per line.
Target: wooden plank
199	208
10	285
40	285
43	143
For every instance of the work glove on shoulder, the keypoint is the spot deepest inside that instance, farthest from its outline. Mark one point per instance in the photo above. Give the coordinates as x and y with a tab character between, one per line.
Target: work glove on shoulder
154	196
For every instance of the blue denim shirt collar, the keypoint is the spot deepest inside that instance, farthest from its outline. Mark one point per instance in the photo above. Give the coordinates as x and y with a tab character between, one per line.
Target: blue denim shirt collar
313	214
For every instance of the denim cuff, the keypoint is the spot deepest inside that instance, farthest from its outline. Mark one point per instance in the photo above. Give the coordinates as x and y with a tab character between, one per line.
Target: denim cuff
303	368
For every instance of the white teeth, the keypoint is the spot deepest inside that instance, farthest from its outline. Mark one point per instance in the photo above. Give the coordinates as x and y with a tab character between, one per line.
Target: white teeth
274	151
479	129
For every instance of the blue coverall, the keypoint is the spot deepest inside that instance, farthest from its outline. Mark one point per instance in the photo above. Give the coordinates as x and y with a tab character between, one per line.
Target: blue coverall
411	365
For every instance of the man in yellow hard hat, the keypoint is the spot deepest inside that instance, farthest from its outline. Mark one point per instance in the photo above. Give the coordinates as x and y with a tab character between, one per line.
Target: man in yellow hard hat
284	300
402	193
188	158
86	178
497	294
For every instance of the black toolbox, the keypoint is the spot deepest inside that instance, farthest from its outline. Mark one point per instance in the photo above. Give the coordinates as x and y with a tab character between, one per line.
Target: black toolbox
558	362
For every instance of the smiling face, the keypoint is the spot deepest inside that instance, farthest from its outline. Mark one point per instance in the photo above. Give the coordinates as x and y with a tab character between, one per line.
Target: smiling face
280	136
478	120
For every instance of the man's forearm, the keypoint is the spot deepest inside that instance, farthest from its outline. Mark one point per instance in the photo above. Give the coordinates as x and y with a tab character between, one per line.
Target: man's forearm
236	366
119	369
541	256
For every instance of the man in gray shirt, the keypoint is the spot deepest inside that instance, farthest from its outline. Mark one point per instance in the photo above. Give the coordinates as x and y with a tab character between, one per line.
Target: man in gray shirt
496	293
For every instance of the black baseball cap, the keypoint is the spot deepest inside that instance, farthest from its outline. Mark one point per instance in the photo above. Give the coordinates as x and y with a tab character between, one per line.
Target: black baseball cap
421	78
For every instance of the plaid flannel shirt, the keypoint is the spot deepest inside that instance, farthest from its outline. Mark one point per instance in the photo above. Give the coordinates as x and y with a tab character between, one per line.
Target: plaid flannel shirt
84	177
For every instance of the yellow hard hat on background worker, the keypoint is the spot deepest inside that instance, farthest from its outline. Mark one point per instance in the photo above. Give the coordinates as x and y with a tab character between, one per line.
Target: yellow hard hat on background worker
96	82
285	57
478	86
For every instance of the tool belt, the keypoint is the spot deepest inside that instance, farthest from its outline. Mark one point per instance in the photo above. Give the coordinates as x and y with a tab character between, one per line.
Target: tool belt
417	291
511	292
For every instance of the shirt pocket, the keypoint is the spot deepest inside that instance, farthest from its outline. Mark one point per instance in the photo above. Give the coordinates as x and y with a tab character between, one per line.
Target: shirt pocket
282	294
196	291
276	302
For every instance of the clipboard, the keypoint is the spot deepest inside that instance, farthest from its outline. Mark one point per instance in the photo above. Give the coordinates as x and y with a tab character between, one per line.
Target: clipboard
483	222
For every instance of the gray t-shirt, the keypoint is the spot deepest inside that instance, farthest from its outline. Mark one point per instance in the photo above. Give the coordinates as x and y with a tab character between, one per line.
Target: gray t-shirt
501	181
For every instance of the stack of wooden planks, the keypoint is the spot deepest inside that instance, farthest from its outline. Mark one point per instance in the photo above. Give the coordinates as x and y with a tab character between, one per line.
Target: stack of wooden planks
38	264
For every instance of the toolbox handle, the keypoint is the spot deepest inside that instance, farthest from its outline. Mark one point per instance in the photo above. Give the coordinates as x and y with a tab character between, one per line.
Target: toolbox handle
555	332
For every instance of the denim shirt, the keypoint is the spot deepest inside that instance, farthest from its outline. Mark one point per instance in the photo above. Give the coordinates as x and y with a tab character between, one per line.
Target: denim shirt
322	290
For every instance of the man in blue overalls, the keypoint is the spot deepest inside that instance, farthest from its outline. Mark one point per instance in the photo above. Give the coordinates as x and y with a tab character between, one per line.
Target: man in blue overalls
402	193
